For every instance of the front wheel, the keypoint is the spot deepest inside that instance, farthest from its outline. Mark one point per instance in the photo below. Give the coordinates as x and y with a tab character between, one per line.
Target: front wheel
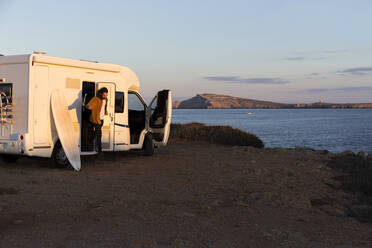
148	145
59	157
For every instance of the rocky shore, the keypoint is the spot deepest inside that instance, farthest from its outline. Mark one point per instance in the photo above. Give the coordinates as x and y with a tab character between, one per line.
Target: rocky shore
215	101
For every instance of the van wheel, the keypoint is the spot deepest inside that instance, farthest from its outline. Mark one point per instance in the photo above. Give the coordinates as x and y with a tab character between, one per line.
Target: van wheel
9	158
148	145
59	158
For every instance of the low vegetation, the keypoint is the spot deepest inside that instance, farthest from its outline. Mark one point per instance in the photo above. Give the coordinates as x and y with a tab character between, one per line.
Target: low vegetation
224	135
357	178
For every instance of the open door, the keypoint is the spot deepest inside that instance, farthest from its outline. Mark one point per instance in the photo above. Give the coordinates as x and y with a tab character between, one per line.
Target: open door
159	115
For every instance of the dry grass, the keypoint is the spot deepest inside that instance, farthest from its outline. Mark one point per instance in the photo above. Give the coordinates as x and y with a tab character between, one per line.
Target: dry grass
224	135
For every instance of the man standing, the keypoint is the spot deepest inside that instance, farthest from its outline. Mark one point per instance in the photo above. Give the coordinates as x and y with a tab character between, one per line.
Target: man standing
98	106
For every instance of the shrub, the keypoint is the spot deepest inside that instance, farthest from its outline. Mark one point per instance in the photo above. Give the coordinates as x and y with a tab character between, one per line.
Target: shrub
224	135
357	172
357	178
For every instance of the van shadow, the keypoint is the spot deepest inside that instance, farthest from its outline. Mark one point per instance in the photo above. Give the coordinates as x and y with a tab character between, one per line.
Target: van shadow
110	157
25	163
87	162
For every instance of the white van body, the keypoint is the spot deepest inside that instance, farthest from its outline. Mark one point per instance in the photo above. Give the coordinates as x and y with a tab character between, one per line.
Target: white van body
27	126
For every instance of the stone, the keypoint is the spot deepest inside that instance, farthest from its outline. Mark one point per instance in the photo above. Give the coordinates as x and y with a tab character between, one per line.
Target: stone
362	155
369	156
17	222
347	153
3	206
179	243
188	214
297	237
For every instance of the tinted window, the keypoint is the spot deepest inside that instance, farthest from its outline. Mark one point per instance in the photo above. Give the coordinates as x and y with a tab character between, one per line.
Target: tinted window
134	103
119	102
6	92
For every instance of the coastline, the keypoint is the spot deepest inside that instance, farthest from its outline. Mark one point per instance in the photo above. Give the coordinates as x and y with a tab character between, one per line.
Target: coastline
336	130
216	101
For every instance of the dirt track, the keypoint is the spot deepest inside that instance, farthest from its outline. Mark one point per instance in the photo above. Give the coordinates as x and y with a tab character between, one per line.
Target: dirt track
186	195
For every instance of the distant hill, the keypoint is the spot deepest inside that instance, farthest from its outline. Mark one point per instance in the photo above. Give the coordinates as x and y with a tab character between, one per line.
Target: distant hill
214	101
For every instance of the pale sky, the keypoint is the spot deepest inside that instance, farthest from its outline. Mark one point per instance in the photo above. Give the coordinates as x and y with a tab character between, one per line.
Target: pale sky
284	51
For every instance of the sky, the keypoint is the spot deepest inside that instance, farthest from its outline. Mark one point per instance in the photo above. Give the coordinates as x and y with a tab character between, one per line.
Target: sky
285	51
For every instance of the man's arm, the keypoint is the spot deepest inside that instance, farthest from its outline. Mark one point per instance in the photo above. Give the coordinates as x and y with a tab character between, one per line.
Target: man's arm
90	103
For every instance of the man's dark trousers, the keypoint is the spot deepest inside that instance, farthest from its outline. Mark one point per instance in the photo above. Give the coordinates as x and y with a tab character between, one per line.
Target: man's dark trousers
98	134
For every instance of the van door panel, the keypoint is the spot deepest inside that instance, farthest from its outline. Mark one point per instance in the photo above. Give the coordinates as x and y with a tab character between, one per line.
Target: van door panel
159	115
41	106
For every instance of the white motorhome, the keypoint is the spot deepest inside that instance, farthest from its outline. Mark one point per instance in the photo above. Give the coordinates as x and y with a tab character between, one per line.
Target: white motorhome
27	125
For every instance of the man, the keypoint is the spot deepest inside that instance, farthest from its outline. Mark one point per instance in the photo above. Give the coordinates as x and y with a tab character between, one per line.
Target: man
98	106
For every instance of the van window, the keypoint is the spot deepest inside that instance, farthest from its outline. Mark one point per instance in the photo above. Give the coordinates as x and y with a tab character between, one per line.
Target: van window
119	102
6	93
135	103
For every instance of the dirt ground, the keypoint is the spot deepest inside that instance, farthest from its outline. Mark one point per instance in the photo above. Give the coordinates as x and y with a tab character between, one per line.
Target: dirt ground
186	195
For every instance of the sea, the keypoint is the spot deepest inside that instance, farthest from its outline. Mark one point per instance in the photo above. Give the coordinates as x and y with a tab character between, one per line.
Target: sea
335	130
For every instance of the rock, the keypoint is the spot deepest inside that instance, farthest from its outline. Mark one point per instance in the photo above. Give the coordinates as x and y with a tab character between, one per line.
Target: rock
362	155
344	246
17	222
304	150
347	153
369	157
253	161
143	243
322	152
190	215
255	196
291	173
258	171
297	237
331	155
3	206
179	243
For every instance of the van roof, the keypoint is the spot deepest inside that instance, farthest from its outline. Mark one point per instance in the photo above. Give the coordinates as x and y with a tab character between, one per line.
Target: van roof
41	58
127	73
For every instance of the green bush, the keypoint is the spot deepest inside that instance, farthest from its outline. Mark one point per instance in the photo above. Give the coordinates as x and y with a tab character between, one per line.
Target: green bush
224	135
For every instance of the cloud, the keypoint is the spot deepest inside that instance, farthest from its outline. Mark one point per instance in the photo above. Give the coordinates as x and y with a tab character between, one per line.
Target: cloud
301	58
336	51
356	71
343	89
259	80
314	74
294	58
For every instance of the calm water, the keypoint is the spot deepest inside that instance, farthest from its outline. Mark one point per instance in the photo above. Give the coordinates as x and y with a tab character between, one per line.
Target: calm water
333	129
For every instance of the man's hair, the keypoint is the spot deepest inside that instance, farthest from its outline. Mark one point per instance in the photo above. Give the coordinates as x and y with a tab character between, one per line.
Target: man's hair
101	91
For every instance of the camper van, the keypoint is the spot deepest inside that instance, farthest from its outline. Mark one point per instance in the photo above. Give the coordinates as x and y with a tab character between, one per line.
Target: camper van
36	121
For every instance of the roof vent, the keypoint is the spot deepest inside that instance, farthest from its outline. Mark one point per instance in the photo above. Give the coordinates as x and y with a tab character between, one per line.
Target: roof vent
39	52
85	60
